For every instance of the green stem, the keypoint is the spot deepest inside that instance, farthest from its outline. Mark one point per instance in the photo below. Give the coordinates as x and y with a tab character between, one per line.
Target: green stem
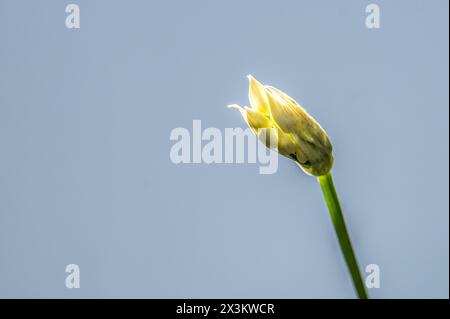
332	200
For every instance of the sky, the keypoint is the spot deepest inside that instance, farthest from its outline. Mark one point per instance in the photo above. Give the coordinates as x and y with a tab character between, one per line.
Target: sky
86	176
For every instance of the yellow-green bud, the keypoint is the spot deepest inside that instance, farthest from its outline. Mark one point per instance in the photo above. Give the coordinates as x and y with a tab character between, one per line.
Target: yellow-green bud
298	136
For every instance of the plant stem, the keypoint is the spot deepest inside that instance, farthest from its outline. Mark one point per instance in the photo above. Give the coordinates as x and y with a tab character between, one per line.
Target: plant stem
332	200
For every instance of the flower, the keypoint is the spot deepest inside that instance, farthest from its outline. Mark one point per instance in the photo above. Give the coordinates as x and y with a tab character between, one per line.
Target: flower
297	134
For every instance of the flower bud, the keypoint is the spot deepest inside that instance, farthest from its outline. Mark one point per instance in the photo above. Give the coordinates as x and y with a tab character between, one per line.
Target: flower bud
298	136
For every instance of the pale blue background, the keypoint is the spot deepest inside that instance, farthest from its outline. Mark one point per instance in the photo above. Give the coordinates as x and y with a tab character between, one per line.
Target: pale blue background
85	175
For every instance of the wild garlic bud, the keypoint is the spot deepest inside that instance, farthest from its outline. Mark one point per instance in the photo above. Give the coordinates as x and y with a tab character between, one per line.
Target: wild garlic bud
298	135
